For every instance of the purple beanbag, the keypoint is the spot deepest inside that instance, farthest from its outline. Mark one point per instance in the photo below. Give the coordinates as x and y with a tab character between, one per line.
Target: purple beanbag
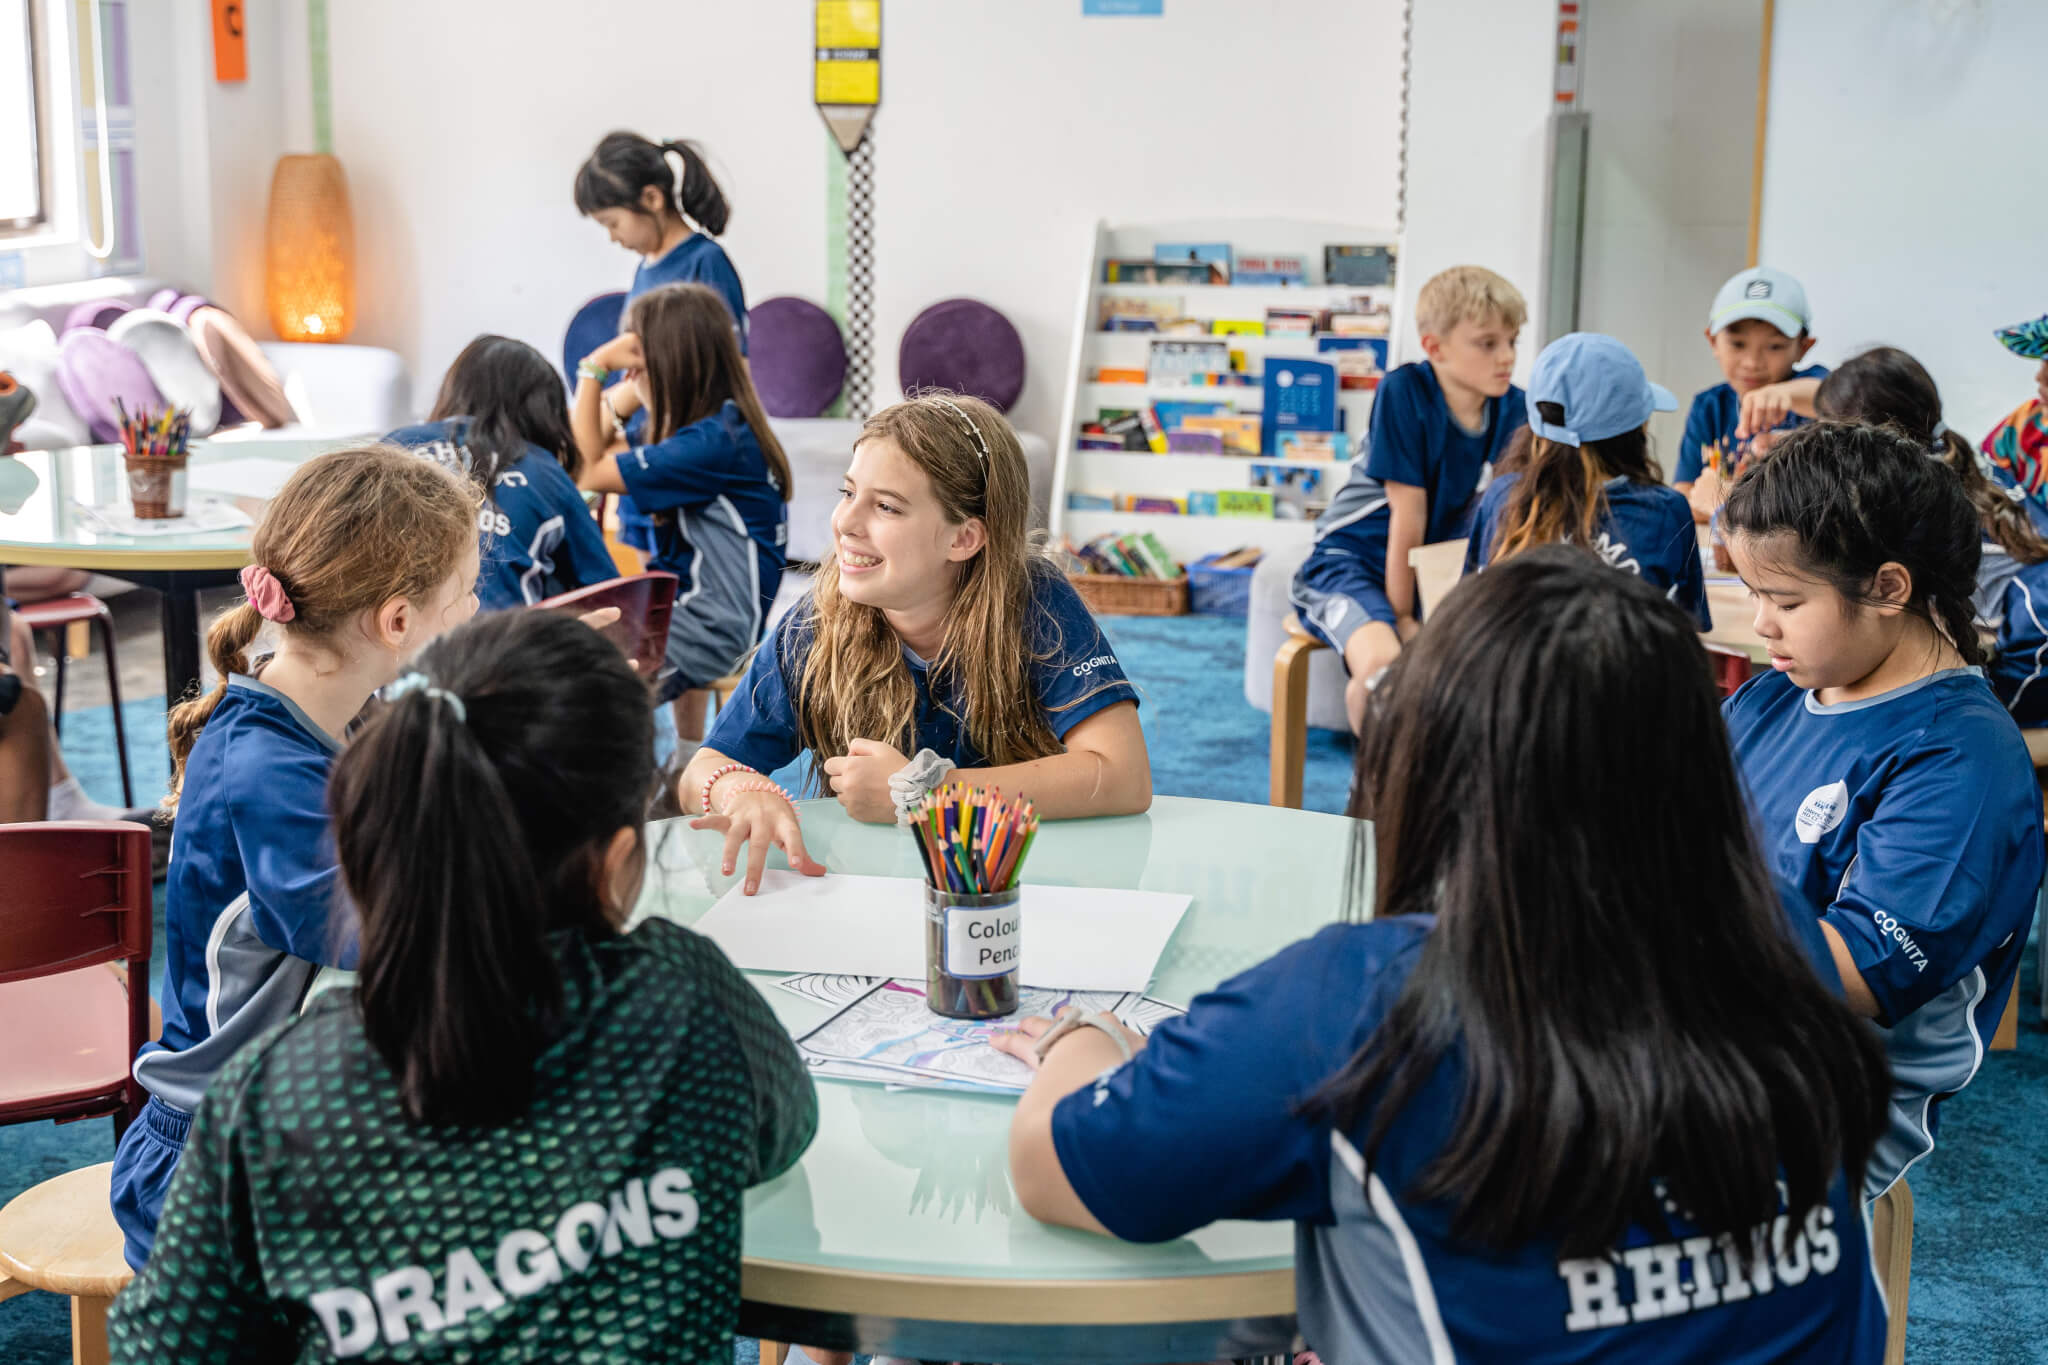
93	370
95	313
185	307
966	346
162	300
797	357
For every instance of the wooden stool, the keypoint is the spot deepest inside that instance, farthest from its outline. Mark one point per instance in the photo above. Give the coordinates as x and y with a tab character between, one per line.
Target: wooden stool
722	689
61	1237
1891	1252
1290	715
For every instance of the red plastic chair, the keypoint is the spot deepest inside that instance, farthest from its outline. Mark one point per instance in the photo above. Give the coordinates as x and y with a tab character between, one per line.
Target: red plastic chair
77	899
645	602
73	609
1731	667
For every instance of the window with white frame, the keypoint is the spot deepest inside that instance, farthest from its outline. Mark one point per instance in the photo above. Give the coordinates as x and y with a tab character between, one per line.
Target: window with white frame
23	149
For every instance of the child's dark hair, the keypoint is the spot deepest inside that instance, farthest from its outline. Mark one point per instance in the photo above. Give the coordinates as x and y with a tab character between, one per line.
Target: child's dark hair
1562	492
1854	498
470	827
512	397
1885	384
694	365
625	164
349	531
1505	768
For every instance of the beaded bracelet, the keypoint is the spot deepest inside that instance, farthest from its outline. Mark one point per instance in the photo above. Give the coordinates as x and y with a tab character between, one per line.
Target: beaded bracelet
740	789
590	369
704	802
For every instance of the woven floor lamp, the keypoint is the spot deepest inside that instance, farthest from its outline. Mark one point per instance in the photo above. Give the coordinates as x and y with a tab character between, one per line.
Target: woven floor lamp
310	269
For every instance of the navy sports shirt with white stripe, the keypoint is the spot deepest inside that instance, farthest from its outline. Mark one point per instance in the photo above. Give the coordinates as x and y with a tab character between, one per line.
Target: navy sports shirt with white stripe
2019	666
1206	1124
1914	820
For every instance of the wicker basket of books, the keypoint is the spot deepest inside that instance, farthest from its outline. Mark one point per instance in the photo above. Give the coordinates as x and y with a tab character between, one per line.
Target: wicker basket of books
1128	575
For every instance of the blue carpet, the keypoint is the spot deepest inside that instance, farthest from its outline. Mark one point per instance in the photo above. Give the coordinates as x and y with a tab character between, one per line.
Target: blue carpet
1979	1260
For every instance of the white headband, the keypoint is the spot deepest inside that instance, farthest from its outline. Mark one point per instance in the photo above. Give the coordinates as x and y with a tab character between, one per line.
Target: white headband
961	413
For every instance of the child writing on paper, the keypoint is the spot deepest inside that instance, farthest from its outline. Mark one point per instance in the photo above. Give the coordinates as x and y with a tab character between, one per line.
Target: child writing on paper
1760	329
1437	427
364	555
659	201
1581	472
937	643
576	1109
1885	779
1481	1166
499	422
711	474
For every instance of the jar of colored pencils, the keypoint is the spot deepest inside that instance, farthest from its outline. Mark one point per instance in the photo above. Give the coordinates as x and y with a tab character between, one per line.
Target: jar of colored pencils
972	844
154	449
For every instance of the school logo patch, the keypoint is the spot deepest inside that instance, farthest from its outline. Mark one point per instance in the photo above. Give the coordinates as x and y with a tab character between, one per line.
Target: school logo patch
1821	811
1758	289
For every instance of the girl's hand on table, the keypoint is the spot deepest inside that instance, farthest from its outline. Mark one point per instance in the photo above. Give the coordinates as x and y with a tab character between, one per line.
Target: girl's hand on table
860	778
760	820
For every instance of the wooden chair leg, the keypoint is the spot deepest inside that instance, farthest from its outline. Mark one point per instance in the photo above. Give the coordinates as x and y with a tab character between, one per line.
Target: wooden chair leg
78	639
1891	1246
10	1287
2007	1037
1290	720
774	1352
89	1331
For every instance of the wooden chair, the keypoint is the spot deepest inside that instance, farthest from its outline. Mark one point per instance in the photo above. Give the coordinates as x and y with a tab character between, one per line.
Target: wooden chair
1891	1252
1437	569
78	905
61	1237
645	602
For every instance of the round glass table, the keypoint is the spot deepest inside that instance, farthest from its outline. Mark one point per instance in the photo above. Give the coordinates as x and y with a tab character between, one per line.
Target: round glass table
898	1231
43	521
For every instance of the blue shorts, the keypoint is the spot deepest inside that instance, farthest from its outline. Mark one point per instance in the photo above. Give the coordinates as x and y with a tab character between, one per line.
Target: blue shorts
143	1166
1341	587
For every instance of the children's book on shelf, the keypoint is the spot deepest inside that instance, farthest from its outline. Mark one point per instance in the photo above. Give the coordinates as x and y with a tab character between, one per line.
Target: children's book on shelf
1232	327
1363	317
1126	428
1361	361
1131	556
1174	361
1313	445
1244	502
1239	433
1193	443
1298	491
1155	272
1214	255
1287	268
1173	413
1136	312
1153	503
1201	503
1080	501
1361	266
1300	395
1113	374
1292	322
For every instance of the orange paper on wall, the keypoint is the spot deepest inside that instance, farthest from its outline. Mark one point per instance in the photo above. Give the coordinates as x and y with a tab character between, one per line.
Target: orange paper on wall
230	48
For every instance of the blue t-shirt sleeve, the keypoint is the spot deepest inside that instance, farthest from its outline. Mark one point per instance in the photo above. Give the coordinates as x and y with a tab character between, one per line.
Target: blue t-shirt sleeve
1699	434
1075	671
585	558
286	843
1946	868
757	726
1486	523
719	274
688	469
1217	1088
1398	436
2019	664
1689	584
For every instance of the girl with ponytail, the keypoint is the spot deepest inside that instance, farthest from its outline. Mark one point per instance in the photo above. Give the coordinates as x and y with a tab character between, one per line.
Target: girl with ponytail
1885	779
576	1108
364	556
658	200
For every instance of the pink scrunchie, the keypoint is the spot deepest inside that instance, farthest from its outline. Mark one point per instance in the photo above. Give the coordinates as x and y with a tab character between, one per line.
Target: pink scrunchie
267	595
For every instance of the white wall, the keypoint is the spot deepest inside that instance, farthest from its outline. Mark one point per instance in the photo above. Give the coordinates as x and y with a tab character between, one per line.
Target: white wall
1669	87
1903	183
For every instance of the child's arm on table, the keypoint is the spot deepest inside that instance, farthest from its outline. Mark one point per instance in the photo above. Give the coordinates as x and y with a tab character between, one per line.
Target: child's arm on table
1408	522
1765	408
759	819
1105	771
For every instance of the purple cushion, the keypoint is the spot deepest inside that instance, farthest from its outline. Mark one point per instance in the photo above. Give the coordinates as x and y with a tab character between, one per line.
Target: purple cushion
162	300
185	307
966	346
93	370
95	313
797	357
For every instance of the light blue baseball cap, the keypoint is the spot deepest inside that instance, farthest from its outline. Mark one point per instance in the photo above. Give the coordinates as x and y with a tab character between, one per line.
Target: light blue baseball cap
1765	294
1600	385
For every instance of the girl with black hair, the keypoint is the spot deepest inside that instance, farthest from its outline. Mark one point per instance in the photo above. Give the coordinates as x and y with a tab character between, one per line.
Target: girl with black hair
1886	781
525	1129
659	200
500	422
1513	1118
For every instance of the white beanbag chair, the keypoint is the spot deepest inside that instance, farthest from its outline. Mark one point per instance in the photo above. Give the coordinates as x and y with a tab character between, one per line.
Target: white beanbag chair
167	350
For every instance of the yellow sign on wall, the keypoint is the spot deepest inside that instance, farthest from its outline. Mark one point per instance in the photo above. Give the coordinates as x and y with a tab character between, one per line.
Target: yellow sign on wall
847	66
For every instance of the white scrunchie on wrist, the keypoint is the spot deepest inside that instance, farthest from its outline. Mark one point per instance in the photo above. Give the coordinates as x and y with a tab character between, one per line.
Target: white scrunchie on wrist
912	782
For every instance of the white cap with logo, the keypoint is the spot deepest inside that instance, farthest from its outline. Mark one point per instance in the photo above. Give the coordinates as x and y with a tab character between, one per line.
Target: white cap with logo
1765	294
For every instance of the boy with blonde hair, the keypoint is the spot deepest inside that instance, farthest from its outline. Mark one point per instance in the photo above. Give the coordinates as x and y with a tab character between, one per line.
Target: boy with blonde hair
1437	427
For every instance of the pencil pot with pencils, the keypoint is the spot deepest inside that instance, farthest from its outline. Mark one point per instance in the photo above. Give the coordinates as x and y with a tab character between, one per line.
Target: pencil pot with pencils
972	844
154	449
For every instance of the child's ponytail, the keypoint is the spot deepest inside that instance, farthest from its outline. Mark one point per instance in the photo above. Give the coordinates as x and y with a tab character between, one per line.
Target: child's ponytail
227	649
626	164
692	191
471	820
1562	493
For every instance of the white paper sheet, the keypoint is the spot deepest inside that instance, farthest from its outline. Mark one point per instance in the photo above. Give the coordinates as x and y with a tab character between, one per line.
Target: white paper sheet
203	516
1074	938
250	478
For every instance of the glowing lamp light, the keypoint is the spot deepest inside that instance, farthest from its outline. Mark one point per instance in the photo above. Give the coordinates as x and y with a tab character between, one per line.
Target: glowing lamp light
310	251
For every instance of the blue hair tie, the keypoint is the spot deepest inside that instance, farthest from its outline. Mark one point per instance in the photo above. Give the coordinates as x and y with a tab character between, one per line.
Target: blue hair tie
417	682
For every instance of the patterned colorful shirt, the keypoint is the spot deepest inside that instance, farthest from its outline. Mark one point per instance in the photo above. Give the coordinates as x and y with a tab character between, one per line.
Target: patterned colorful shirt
311	1220
2018	446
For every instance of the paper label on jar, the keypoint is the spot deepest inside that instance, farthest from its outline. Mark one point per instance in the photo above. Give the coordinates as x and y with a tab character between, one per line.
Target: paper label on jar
980	941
